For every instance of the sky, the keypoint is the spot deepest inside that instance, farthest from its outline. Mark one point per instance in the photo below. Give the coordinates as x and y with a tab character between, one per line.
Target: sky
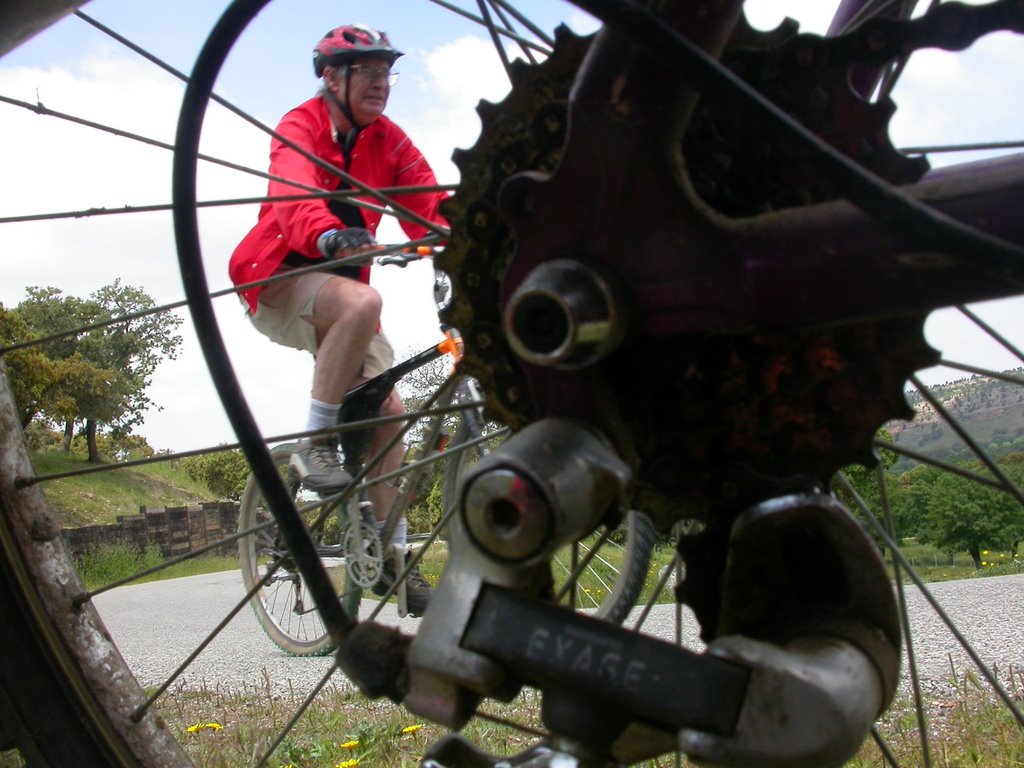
448	67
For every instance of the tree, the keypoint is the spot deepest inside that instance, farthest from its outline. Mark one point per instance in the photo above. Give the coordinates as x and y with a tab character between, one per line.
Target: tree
107	370
865	483
963	515
32	374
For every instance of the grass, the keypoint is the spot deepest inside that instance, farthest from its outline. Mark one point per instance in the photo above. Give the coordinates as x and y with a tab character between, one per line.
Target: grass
932	565
342	729
968	726
114	562
99	498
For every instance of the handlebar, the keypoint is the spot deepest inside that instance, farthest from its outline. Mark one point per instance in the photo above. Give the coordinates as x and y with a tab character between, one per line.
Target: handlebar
442	286
407	256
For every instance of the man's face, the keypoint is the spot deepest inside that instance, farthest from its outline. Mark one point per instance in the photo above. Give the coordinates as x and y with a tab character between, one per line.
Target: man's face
368	87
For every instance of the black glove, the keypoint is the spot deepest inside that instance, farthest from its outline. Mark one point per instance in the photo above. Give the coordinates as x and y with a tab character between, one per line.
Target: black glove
334	240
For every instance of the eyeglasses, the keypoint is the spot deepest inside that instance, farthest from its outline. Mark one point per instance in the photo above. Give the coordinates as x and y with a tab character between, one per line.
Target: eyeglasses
370	74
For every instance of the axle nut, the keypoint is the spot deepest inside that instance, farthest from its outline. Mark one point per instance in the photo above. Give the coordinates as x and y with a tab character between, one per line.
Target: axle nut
507	514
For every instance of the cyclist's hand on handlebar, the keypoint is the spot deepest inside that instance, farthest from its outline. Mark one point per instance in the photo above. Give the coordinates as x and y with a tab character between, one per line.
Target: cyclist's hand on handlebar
345	243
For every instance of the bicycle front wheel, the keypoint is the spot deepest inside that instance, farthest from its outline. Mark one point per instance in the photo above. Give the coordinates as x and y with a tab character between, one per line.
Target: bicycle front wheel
280	598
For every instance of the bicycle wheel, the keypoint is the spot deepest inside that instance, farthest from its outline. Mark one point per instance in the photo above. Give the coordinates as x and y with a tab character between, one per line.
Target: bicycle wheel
66	696
281	602
617	572
706	376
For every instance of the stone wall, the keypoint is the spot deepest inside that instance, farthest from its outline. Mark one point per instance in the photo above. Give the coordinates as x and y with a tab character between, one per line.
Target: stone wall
175	530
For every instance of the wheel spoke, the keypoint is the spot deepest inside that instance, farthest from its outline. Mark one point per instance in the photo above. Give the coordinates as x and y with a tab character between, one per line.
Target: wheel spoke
981	666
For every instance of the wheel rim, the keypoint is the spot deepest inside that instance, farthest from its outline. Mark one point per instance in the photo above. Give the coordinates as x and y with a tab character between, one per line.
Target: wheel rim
282	604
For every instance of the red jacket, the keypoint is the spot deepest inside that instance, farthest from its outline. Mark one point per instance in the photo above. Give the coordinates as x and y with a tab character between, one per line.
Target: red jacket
383	156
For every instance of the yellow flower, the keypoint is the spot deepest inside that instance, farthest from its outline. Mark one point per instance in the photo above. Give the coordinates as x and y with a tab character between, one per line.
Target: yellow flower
350	745
204	727
983	562
412	728
347	764
984	551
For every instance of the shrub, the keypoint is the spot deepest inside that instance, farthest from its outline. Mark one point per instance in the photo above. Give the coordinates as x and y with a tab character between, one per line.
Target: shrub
224	472
105	564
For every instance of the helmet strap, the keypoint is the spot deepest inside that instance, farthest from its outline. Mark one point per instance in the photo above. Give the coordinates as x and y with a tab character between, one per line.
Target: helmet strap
349	139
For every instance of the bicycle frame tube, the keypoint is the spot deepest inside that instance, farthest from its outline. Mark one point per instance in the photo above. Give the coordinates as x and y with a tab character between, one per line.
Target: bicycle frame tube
364	401
835	247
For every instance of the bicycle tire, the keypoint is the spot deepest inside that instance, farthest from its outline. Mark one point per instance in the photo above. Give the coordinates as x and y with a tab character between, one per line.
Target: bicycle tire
66	695
280	604
628	575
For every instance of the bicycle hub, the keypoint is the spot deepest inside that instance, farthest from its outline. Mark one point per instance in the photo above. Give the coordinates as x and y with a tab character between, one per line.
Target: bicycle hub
565	314
548	485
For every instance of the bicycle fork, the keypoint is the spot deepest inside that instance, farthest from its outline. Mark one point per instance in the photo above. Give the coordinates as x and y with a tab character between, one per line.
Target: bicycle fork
795	674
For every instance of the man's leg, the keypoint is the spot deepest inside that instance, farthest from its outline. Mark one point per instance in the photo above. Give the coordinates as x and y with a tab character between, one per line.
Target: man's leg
344	315
383	495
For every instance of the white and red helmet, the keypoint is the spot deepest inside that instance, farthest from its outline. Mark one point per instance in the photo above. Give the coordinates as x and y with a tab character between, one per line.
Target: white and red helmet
343	44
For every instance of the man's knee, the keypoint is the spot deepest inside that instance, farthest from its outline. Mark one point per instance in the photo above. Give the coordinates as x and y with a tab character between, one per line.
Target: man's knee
343	299
349	295
392	406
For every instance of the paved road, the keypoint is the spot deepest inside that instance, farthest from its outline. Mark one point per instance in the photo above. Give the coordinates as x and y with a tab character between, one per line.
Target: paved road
158	625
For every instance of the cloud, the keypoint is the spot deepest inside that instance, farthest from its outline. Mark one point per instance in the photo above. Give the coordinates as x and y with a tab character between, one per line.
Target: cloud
950	98
65	167
814	15
442	115
60	166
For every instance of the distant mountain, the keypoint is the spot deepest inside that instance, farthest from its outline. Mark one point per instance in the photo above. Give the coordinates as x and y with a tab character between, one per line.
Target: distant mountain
991	410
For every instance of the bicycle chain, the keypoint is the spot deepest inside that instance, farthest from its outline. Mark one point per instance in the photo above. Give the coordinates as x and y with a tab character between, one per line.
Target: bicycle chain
778	405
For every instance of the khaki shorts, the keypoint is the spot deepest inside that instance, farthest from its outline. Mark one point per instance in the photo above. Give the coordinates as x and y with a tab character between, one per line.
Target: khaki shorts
284	314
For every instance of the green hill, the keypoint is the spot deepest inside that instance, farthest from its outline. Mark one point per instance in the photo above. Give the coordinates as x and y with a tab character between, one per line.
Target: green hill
100	497
992	411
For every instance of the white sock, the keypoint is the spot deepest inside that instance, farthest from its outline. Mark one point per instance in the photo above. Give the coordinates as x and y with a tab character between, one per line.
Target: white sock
400	537
322	414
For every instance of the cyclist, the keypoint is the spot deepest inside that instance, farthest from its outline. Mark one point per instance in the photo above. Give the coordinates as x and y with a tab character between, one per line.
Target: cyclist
335	314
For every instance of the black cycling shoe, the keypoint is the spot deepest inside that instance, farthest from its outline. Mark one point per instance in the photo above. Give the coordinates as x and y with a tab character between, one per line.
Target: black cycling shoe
417	590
